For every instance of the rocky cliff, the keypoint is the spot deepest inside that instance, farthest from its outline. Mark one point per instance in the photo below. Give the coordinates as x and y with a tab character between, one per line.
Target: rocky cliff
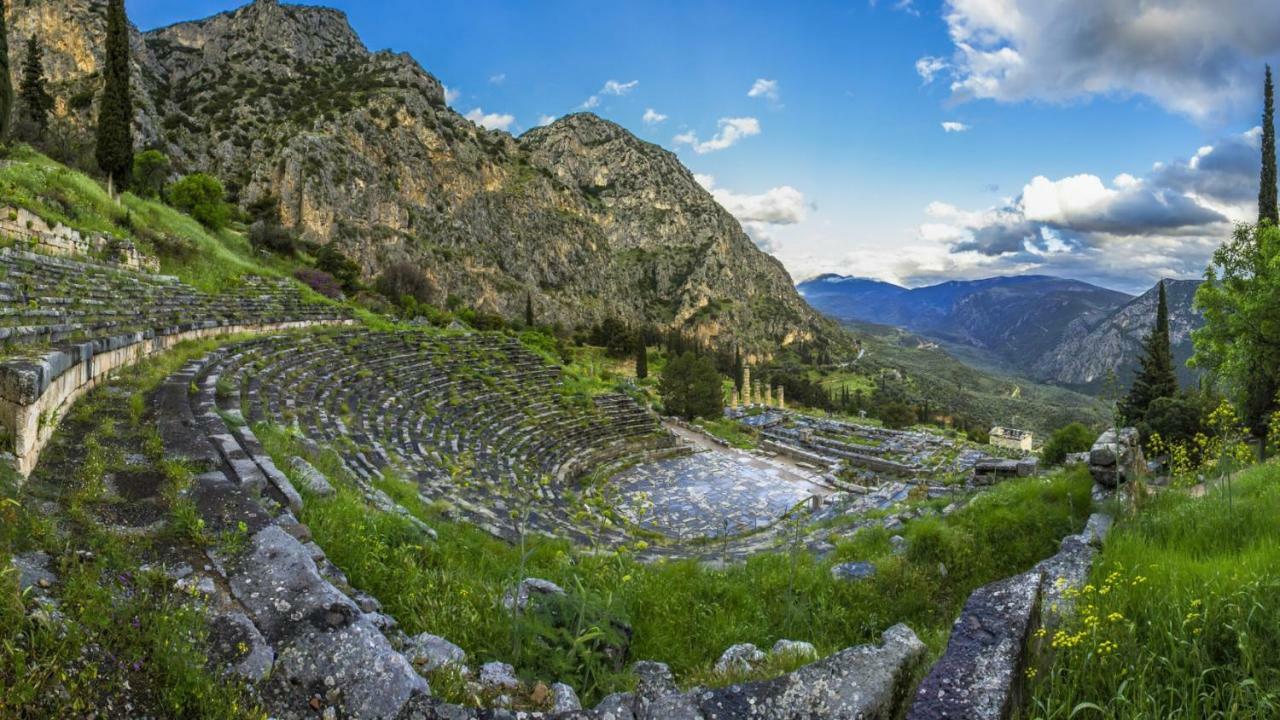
362	150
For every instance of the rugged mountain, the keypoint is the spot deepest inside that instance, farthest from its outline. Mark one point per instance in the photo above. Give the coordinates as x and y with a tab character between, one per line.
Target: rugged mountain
1089	351
361	149
1013	319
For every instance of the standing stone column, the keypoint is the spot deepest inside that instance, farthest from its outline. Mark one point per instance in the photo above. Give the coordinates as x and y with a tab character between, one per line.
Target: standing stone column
782	398
733	398
768	396
746	385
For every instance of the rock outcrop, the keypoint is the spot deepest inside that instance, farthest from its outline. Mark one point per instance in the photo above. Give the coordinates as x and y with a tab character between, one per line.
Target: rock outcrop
361	149
1116	458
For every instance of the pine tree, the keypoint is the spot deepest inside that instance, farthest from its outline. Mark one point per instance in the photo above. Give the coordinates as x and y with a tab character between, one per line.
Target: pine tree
36	103
115	112
642	357
6	82
1156	378
1267	200
528	310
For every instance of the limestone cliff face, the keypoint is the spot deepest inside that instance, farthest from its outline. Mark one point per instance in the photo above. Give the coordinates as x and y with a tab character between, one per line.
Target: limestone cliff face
362	150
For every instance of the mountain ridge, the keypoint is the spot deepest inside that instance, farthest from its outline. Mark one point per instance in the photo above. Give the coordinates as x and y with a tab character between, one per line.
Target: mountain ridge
359	148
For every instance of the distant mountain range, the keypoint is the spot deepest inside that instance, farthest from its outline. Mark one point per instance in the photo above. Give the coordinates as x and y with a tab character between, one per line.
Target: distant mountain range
1064	332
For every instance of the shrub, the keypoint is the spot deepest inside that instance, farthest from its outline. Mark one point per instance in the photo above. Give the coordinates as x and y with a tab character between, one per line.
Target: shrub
150	172
404	279
274	237
897	415
320	281
331	260
201	196
1073	438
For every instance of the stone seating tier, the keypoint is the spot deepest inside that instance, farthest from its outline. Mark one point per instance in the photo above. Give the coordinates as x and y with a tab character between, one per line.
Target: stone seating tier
477	421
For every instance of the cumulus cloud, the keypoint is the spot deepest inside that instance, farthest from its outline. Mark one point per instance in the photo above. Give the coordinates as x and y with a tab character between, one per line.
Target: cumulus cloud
767	89
1192	57
954	127
760	215
653	117
497	79
1126	233
611	87
451	94
929	67
731	130
490	121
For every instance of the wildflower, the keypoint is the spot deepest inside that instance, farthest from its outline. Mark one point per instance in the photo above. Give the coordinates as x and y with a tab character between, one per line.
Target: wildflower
1041	632
1115	617
1031	673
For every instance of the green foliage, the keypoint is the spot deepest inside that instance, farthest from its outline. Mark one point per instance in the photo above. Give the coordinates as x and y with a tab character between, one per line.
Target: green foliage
201	196
1156	378
150	172
36	103
1240	341
1180	619
642	359
406	280
691	387
115	112
331	260
1267	199
1179	419
897	415
1073	438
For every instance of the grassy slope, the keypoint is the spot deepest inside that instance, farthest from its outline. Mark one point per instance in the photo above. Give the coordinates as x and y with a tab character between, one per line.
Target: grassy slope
1181	619
933	375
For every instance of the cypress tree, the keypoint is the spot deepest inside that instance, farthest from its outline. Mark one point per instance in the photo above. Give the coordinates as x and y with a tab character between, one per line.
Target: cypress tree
1267	209
737	368
642	357
115	112
36	101
1157	378
6	82
528	310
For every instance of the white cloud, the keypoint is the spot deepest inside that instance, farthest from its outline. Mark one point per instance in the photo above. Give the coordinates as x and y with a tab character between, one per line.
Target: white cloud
1193	57
451	95
929	67
954	127
490	121
731	131
653	117
1124	234
760	215
497	79
544	120
611	87
767	89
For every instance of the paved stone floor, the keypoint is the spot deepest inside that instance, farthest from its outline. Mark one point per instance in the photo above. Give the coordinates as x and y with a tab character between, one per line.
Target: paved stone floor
708	494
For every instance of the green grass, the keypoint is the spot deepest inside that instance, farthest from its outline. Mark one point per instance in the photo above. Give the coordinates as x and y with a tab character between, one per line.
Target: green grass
1181	619
730	431
682	612
128	636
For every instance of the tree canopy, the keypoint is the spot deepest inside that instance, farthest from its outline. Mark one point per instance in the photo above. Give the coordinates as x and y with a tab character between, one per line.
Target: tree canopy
690	387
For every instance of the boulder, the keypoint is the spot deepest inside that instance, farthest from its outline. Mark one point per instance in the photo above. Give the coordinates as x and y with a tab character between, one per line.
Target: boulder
498	676
1116	458
740	658
529	587
429	653
795	648
853	571
564	699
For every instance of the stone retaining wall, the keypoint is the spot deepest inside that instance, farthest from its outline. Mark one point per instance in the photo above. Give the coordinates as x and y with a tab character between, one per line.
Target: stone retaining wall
35	393
57	239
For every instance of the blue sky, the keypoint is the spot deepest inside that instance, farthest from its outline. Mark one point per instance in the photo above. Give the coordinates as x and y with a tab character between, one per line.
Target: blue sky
849	168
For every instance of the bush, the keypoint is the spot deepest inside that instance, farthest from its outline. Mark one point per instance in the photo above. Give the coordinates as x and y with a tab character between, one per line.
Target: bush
404	279
691	388
201	196
320	281
1073	438
150	172
331	260
274	237
897	415
1178	419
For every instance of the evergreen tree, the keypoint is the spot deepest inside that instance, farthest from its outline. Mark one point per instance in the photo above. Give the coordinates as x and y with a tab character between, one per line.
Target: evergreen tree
737	368
36	102
528	310
1267	200
642	357
690	387
1157	378
6	82
115	112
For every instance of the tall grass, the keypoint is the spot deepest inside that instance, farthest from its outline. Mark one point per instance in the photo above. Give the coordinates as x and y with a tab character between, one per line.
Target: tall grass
1182	617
